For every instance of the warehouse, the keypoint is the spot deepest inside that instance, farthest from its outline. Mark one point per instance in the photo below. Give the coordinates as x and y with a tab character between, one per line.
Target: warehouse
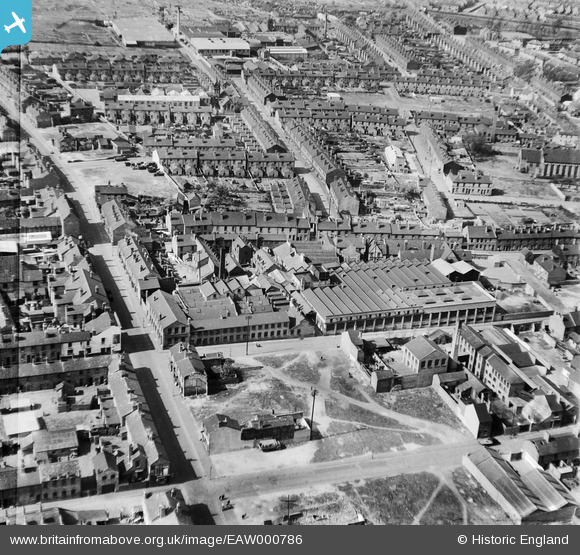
142	31
396	295
220	46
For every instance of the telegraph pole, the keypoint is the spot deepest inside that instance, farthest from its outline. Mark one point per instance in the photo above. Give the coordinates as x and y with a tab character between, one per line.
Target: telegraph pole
288	503
313	392
248	318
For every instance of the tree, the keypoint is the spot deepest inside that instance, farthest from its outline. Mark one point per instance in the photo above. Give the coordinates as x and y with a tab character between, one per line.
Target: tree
222	198
478	147
525	70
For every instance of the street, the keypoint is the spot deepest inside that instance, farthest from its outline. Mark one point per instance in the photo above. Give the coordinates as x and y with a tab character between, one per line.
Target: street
317	188
175	424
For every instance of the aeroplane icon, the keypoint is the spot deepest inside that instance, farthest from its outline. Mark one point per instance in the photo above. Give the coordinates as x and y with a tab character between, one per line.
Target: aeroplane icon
18	22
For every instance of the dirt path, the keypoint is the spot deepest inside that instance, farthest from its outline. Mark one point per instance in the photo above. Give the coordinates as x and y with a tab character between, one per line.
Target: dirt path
419	515
451	485
442	432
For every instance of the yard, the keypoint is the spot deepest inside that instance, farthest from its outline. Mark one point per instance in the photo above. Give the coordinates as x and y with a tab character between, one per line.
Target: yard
94	128
83	168
518	302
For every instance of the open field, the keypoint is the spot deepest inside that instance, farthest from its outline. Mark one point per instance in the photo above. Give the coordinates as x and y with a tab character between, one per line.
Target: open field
68	23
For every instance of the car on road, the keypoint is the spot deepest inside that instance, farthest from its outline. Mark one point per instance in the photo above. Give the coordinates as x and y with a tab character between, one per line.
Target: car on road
120	158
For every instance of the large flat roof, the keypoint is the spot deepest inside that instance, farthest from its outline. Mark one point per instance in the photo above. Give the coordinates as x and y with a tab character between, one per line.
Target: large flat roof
142	29
217	43
405	286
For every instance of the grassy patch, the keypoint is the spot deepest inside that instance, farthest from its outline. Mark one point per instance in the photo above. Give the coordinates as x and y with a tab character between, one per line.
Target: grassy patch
357	443
481	508
341	410
421	403
445	509
338	428
277	361
349	440
342	383
394	500
302	370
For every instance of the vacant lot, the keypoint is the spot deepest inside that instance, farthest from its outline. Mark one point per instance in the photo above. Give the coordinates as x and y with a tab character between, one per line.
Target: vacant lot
341	410
84	168
303	371
366	441
421	403
347	386
343	378
444	509
248	398
481	508
395	500
319	506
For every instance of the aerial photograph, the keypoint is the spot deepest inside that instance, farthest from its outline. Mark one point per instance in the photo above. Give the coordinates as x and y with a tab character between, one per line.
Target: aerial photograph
290	262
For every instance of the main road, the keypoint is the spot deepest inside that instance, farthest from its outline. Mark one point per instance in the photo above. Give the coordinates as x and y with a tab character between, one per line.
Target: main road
175	424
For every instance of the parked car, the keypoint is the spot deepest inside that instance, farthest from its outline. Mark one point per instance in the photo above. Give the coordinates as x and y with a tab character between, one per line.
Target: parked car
269	445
